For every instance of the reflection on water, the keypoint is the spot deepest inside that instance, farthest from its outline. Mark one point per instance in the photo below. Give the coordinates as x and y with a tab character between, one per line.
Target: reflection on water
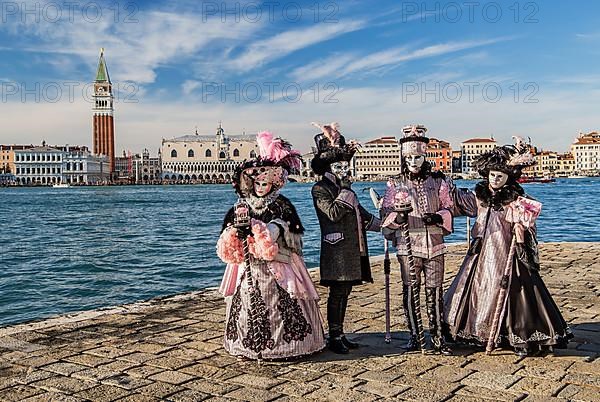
80	248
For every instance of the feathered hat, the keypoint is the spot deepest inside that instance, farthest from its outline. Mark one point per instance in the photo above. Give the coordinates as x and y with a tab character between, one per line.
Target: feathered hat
414	141
510	159
330	147
275	162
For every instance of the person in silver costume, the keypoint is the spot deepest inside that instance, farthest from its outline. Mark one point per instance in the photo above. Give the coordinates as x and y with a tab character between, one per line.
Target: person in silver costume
430	220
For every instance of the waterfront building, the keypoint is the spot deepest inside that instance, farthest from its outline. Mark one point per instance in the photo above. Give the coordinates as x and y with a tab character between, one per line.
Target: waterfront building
376	159
566	165
103	114
470	151
439	154
45	165
586	151
205	158
138	168
123	172
147	169
7	157
456	162
39	165
547	162
80	166
306	172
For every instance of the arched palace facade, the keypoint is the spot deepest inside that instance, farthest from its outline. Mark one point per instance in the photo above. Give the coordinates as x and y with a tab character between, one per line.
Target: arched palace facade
205	158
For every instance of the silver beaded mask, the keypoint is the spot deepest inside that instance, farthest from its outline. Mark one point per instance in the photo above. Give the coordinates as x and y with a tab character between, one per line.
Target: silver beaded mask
340	169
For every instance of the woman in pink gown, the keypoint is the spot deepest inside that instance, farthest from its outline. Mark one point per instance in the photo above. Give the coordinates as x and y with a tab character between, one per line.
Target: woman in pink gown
272	304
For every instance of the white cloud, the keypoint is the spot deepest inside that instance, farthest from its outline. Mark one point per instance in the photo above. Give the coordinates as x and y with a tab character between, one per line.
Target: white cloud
189	86
478	59
324	67
282	44
133	50
589	35
347	64
399	55
589	79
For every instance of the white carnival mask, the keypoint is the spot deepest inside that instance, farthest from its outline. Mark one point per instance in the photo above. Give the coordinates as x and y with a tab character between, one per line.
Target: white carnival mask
497	179
340	169
414	162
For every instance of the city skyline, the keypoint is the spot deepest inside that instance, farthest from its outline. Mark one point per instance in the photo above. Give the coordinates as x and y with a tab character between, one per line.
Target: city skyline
165	57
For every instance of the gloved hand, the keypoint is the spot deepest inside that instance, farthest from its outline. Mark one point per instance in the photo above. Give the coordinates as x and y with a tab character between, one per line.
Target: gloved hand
346	183
432	219
401	218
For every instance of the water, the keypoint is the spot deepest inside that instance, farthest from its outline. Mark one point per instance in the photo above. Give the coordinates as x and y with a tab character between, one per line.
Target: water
64	250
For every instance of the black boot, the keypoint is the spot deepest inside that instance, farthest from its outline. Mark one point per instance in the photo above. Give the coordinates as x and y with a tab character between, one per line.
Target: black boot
336	345
336	304
411	318
447	334
348	343
435	313
521	351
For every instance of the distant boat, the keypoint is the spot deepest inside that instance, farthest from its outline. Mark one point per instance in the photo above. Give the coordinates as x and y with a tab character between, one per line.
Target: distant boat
61	185
543	180
577	176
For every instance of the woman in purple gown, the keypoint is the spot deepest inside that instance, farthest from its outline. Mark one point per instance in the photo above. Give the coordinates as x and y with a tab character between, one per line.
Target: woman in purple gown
498	297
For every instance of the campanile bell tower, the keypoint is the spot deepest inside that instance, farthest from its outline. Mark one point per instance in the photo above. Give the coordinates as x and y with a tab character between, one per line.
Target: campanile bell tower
104	127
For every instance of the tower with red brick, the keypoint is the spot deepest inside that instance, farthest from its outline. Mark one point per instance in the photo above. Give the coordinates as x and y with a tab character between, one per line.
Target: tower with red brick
104	127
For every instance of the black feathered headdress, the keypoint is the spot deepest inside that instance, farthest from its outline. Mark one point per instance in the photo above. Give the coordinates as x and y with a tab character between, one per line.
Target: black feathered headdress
331	147
510	159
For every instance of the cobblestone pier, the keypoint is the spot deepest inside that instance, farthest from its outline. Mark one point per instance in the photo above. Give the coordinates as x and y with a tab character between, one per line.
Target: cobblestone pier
170	349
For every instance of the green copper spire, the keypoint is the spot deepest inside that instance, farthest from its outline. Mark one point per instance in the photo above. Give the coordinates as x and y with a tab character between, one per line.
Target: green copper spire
102	74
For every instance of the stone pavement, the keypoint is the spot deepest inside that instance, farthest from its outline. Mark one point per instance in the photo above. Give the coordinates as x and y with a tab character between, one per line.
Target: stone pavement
170	349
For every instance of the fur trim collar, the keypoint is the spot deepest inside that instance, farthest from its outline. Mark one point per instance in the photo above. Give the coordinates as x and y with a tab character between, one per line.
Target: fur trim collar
500	198
280	208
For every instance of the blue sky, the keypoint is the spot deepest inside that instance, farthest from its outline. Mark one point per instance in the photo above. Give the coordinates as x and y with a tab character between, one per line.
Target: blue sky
372	66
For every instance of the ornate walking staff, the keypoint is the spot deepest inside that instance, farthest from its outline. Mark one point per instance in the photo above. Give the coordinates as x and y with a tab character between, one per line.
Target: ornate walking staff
259	328
504	284
386	270
404	206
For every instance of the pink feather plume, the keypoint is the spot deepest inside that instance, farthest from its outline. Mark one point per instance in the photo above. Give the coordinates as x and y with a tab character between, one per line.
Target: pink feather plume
276	149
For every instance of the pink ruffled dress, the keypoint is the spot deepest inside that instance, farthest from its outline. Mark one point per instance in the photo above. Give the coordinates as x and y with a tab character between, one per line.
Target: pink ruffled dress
277	315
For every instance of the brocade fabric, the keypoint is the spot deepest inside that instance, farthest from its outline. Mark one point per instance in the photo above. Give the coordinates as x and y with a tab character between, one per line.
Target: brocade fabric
489	282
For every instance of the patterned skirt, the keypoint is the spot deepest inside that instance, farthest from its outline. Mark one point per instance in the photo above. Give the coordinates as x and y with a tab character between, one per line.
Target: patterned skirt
264	321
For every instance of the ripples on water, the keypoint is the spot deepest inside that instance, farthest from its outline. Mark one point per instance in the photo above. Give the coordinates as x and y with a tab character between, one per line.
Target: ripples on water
74	249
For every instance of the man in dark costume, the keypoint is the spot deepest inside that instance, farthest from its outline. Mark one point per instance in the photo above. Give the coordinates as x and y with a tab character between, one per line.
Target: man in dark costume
430	220
344	258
